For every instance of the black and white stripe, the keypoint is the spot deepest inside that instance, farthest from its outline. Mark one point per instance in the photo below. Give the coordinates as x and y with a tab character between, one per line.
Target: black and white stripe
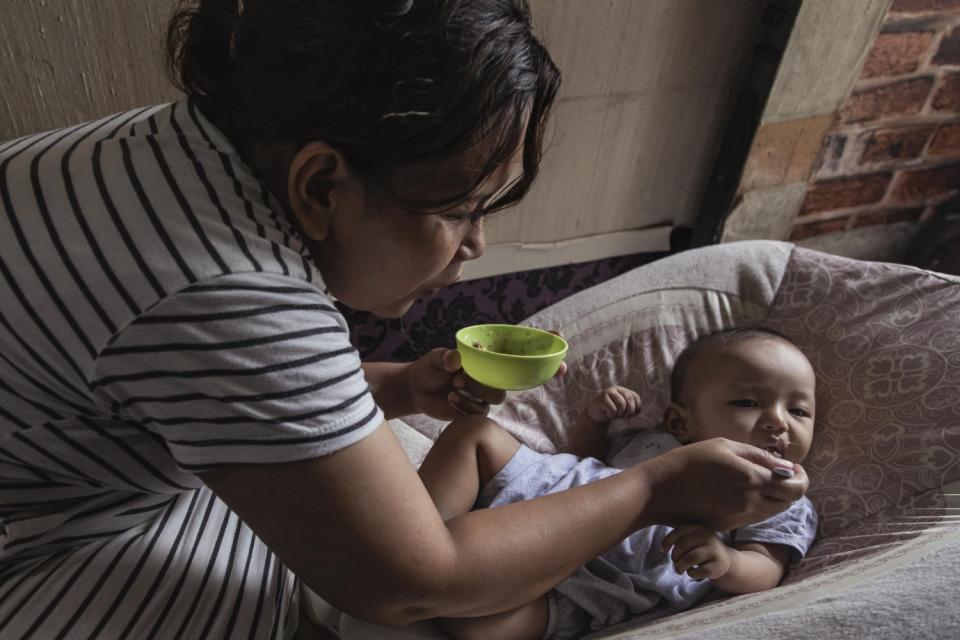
159	317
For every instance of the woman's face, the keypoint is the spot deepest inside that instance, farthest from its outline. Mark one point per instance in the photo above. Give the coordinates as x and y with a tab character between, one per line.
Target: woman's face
378	256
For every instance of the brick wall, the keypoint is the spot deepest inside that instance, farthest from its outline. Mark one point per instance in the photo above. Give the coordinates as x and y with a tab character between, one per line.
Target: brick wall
893	151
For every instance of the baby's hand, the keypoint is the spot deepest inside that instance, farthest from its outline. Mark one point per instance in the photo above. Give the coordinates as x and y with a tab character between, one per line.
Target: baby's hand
698	552
613	402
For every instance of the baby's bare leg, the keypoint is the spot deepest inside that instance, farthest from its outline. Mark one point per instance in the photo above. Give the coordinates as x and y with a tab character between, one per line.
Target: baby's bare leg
524	623
469	452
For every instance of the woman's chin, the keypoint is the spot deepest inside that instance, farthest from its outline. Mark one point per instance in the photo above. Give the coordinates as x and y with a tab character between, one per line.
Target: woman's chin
399	307
392	310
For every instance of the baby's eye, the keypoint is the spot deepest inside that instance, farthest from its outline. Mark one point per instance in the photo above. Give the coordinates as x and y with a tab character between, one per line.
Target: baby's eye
800	412
745	403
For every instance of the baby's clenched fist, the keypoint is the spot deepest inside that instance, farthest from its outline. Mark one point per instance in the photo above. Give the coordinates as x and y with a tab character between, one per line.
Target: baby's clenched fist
613	402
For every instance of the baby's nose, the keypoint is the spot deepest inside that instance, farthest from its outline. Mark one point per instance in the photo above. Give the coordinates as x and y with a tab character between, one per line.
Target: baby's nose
775	421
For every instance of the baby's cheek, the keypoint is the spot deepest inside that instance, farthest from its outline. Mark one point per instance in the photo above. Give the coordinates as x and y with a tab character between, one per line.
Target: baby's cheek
802	448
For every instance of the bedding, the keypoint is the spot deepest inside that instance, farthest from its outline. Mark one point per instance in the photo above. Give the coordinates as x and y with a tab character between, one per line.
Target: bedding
884	340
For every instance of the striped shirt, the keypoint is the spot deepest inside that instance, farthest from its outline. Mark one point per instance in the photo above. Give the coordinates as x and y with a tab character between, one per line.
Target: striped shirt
159	317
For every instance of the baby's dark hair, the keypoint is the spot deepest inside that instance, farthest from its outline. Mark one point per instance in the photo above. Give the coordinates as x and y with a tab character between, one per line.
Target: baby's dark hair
716	339
385	82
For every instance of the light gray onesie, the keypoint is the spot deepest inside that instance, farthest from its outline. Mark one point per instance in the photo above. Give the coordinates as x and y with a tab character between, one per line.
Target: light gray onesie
634	577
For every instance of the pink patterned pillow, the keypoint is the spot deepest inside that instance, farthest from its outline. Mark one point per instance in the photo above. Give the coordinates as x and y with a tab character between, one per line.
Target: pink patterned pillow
885	342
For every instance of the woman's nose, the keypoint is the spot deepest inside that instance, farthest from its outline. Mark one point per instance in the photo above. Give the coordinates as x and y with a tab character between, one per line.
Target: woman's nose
475	243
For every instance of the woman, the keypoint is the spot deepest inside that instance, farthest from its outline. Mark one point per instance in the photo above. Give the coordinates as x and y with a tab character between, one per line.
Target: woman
185	425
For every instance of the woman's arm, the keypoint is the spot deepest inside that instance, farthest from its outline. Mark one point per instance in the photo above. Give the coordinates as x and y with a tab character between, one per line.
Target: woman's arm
388	384
358	527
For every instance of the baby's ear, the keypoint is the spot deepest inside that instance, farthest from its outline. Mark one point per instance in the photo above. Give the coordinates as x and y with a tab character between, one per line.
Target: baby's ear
675	419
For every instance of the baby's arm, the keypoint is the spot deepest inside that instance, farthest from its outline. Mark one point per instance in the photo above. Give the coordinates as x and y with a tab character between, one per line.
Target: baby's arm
749	567
587	436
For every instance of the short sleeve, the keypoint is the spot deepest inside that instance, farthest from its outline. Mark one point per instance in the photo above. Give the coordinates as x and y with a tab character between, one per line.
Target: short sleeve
796	528
245	368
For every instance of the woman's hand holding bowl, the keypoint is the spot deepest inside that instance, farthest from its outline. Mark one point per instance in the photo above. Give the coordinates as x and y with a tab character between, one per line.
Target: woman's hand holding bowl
439	387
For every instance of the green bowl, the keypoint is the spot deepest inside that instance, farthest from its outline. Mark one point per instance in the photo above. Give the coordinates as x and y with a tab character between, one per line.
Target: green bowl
508	356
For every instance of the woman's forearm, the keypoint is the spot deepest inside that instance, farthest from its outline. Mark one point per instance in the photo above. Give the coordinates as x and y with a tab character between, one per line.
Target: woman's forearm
388	384
373	544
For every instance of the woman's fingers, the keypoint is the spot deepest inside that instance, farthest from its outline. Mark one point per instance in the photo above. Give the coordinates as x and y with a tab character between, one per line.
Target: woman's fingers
472	394
764	458
775	485
450	360
786	489
468	404
473	390
562	370
725	485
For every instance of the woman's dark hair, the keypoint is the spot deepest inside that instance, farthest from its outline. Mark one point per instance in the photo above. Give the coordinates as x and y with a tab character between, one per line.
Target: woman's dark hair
388	83
717	339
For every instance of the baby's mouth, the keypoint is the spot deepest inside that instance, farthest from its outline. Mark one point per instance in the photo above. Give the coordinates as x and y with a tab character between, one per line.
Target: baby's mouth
778	449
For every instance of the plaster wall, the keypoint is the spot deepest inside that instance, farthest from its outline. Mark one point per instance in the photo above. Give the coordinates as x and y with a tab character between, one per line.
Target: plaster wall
67	61
647	92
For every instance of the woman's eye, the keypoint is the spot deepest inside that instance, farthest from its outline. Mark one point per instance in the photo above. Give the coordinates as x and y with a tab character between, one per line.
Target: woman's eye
463	216
748	404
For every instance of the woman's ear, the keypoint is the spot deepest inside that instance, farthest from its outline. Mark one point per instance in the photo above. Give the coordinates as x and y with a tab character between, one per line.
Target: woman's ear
675	419
316	183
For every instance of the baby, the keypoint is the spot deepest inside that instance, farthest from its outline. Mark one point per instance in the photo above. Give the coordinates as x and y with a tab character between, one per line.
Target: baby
749	385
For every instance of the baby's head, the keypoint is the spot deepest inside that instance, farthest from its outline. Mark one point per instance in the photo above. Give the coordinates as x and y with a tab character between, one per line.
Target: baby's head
751	385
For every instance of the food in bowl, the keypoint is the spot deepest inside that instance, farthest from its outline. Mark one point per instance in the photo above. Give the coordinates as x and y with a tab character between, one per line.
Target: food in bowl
510	357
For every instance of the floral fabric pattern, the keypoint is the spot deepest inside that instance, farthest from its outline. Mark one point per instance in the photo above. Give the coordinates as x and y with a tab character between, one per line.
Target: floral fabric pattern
885	343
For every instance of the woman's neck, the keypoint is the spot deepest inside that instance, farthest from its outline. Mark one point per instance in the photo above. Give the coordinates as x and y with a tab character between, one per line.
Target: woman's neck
271	163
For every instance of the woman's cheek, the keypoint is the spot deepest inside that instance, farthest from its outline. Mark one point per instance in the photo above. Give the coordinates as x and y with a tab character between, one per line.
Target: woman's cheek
449	246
